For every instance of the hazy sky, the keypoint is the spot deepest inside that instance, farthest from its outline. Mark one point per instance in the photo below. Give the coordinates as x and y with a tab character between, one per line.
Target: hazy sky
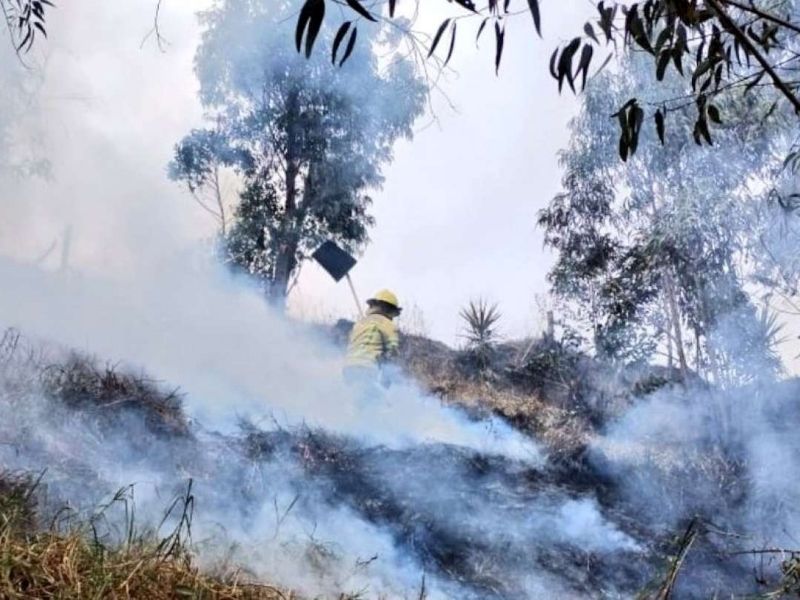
455	220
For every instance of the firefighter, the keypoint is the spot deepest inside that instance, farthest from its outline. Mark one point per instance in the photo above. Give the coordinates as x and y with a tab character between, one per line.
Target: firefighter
374	341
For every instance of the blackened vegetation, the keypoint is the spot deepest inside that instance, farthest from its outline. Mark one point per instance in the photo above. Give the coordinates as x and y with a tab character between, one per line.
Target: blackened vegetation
434	499
483	522
486	522
66	413
112	394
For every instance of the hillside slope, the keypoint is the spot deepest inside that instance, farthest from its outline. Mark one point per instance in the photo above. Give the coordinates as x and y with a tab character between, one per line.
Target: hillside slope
330	515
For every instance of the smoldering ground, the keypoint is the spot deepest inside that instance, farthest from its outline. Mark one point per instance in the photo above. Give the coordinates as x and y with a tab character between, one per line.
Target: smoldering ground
345	501
418	485
128	290
319	491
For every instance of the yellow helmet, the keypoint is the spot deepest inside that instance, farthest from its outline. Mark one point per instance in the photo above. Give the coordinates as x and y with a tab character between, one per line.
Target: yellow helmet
386	297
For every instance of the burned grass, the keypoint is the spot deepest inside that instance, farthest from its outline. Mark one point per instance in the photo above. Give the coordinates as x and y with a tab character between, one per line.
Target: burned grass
472	519
106	391
483	523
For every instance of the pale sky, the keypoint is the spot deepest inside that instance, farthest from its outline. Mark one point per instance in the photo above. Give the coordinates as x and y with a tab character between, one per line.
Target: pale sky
455	220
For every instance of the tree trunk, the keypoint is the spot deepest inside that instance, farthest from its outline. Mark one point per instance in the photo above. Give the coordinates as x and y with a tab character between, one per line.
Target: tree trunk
285	264
698	361
285	256
713	358
669	329
285	260
676	323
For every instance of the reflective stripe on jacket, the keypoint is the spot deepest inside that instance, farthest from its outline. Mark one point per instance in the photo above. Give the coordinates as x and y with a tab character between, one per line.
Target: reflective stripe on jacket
373	340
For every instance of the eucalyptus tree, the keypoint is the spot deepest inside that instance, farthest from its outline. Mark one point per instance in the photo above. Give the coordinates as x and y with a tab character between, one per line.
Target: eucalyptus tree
651	253
308	142
716	45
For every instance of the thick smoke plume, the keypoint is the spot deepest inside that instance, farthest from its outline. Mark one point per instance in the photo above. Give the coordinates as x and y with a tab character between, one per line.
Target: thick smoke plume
246	362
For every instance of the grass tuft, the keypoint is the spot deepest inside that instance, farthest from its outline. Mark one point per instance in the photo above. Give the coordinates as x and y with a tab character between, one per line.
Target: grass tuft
77	564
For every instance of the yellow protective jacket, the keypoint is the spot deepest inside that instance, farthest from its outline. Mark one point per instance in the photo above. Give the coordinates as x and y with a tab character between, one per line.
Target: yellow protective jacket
373	340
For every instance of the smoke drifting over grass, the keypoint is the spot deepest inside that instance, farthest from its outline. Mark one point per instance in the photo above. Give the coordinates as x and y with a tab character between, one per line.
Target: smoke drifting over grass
731	456
235	357
402	479
129	284
278	511
322	481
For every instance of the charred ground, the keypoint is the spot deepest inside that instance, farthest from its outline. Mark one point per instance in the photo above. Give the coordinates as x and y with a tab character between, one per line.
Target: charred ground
561	398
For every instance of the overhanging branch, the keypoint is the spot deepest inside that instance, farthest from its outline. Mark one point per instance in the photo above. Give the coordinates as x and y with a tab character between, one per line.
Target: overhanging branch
745	41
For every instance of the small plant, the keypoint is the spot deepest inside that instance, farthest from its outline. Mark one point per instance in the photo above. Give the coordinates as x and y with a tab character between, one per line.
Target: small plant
770	330
791	576
17	502
480	319
480	330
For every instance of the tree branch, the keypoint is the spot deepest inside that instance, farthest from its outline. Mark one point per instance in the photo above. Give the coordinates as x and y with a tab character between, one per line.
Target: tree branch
160	40
745	41
763	14
220	204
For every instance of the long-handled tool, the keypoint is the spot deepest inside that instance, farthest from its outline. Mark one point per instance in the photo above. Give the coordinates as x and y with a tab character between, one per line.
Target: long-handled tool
338	264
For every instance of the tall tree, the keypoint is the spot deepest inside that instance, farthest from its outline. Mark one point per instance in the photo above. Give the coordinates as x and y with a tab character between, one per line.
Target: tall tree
307	140
651	252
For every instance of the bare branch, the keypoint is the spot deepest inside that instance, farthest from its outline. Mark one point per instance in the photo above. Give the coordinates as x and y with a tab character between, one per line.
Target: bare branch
161	41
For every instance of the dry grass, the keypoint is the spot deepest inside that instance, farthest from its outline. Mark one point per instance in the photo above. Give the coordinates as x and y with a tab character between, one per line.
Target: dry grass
75	564
73	559
436	368
791	576
561	430
17	510
50	565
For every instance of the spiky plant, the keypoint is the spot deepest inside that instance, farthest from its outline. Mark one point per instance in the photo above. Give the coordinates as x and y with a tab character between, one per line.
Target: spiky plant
480	329
770	329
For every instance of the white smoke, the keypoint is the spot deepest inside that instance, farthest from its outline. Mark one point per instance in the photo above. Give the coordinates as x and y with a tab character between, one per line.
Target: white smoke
233	356
136	285
266	516
730	458
312	547
132	286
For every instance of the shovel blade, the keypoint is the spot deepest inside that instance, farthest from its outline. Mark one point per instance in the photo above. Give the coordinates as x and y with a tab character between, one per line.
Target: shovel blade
334	260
